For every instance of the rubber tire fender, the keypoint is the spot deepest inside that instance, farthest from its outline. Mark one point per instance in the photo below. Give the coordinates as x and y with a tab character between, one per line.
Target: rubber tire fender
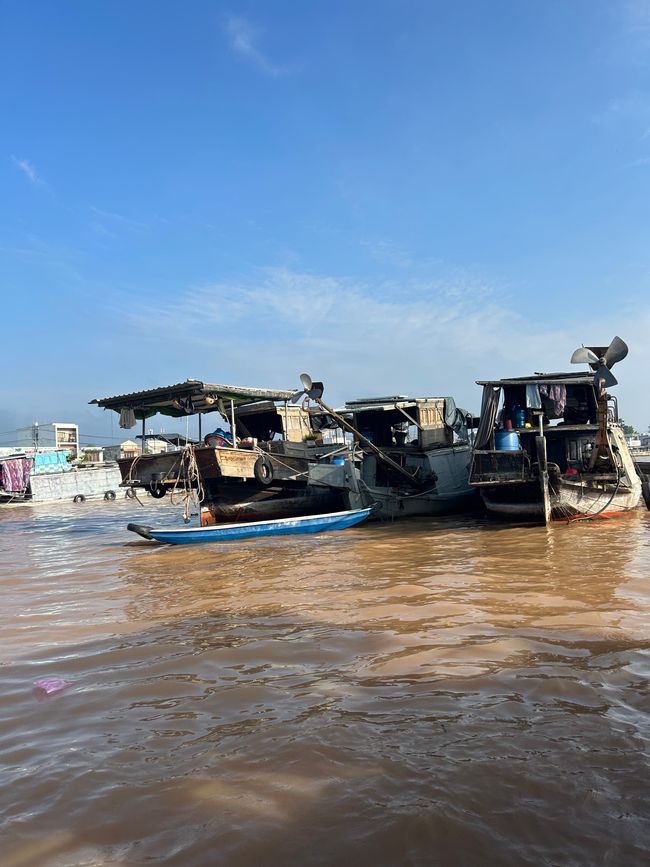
109	495
78	498
130	494
263	470
157	490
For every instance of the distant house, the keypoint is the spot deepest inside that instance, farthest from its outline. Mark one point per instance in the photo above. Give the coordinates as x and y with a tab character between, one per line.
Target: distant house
155	444
54	435
93	454
127	449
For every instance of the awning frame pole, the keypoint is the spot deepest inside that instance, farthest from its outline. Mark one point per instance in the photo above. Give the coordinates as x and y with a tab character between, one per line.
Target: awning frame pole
233	427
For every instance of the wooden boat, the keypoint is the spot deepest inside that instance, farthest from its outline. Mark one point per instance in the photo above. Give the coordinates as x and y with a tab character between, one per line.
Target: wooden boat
409	456
555	451
253	529
290	459
413	458
260	474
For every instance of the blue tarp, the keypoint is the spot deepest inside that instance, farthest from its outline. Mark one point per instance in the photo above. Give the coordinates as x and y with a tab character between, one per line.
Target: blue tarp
50	462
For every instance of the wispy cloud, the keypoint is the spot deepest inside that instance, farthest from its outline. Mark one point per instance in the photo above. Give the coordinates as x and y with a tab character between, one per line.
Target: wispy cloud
418	337
243	37
114	217
638	163
27	169
636	17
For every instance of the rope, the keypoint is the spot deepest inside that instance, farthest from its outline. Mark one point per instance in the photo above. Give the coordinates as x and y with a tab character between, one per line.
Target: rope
274	459
607	504
192	483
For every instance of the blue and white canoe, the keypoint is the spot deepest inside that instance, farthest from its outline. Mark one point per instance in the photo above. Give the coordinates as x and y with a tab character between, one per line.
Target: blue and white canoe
252	529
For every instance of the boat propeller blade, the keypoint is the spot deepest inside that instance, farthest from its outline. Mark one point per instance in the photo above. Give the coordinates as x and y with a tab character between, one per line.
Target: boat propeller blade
605	376
313	390
616	351
584	355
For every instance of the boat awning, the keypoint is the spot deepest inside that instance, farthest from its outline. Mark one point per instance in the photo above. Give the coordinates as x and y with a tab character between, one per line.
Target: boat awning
188	398
542	379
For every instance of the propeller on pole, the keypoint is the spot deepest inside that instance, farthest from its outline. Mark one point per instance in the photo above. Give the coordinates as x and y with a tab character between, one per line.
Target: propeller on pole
310	389
601	359
314	391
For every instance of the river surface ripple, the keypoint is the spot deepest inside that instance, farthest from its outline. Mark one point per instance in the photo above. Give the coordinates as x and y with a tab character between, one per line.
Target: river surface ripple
417	693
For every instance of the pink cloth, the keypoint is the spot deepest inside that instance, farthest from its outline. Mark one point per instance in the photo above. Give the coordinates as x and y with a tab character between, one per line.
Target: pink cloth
15	474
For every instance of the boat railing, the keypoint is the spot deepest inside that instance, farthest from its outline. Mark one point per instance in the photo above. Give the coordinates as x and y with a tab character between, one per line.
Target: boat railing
612	408
495	467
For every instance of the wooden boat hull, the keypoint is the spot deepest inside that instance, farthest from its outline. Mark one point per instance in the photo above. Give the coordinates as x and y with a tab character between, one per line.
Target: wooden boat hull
569	500
267	505
251	530
448	492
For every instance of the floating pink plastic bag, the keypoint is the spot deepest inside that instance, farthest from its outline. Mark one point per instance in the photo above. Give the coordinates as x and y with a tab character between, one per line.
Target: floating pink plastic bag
48	685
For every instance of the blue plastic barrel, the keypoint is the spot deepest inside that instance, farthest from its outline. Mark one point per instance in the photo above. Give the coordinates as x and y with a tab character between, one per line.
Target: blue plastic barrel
507	441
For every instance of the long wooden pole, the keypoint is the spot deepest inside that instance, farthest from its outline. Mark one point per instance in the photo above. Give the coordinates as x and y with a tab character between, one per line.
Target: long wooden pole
365	443
542	462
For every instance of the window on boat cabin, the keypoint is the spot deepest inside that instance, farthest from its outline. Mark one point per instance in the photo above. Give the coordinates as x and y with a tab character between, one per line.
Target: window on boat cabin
386	428
576	406
261	425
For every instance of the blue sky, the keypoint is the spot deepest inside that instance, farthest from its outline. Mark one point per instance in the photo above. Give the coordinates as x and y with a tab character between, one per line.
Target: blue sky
398	196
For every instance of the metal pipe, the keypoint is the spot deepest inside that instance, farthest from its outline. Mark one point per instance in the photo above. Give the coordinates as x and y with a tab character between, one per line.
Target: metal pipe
233	426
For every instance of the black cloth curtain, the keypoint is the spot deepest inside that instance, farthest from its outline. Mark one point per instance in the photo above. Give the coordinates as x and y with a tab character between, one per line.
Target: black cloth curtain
489	406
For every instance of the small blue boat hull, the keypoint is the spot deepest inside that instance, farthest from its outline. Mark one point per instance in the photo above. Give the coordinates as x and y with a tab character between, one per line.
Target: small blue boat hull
251	530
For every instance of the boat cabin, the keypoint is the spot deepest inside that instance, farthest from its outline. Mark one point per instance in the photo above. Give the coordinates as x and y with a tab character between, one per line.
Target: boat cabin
561	407
254	415
400	422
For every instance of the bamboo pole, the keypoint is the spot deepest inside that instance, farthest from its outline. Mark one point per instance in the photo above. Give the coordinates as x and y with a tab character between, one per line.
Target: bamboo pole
365	443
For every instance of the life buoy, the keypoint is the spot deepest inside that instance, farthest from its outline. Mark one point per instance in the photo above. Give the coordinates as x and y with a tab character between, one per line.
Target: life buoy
109	495
78	498
157	490
263	470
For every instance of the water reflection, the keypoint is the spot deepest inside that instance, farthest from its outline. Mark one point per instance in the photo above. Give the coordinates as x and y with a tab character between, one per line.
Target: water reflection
377	695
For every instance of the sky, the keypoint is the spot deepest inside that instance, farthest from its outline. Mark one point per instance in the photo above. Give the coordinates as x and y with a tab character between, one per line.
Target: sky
395	196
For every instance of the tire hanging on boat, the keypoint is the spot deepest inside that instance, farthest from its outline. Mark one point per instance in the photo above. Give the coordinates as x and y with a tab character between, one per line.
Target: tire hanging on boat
263	470
157	490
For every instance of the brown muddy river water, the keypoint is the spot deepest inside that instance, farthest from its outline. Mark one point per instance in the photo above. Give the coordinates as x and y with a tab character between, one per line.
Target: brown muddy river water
416	693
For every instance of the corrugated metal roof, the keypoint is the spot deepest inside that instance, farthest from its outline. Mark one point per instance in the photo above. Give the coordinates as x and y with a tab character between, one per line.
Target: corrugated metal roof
178	399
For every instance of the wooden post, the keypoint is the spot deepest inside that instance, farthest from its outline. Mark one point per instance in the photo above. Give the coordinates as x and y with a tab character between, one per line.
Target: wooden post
540	443
233	427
